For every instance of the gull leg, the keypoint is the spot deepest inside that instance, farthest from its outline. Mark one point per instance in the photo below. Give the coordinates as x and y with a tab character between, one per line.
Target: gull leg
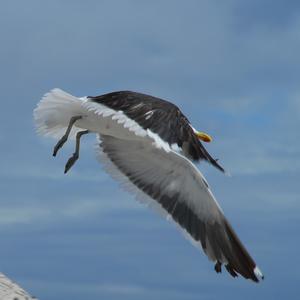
66	135
75	155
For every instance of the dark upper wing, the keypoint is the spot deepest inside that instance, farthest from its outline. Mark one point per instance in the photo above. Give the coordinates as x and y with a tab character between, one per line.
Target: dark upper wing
181	191
162	118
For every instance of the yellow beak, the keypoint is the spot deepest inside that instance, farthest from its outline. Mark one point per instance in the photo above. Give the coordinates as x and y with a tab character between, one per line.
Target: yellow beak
203	137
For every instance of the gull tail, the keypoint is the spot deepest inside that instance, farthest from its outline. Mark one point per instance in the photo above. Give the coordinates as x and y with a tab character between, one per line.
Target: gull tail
53	113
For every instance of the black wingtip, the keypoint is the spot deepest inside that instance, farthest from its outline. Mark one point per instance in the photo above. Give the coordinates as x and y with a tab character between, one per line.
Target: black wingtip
205	155
231	271
218	267
258	274
214	162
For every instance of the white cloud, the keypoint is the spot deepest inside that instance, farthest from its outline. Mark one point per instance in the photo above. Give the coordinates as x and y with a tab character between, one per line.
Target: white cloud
15	216
36	212
256	158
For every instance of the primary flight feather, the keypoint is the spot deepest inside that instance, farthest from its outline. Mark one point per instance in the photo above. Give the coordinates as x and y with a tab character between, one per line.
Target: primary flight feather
150	145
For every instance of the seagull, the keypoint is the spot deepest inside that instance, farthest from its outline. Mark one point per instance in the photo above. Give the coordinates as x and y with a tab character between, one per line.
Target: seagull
150	146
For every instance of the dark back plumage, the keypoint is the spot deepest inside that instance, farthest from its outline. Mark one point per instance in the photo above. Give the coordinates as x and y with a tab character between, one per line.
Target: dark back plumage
161	117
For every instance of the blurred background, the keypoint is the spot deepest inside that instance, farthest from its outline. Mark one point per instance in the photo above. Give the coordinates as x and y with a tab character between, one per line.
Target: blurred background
233	67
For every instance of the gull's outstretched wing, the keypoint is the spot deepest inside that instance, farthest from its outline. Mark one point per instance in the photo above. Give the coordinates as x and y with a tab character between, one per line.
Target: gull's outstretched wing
161	117
180	190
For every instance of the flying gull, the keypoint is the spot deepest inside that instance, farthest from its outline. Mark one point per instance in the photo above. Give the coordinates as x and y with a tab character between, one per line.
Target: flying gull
150	146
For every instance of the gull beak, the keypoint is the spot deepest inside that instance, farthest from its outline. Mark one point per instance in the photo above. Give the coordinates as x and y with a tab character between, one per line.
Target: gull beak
203	137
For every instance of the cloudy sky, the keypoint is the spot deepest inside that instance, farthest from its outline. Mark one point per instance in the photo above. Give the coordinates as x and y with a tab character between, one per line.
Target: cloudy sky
234	69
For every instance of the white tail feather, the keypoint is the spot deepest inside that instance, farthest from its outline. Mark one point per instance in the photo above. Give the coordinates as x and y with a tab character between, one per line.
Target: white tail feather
54	111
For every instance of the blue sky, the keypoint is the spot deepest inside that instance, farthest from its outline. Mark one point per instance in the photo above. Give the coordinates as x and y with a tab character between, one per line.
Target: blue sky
232	66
